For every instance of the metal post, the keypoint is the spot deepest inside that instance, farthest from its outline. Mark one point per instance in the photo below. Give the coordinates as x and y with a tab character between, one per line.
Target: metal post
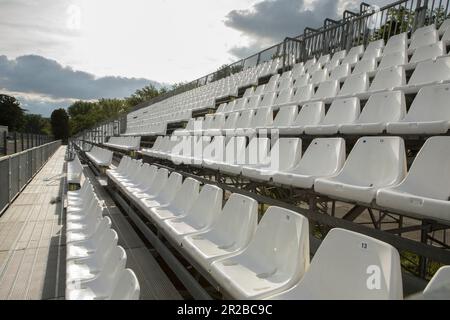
15	142
5	143
22	142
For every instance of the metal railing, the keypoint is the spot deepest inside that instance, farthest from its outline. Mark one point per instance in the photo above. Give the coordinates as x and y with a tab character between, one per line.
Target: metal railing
14	142
18	169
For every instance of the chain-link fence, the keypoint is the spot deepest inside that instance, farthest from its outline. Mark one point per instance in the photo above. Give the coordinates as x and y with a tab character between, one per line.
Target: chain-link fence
18	169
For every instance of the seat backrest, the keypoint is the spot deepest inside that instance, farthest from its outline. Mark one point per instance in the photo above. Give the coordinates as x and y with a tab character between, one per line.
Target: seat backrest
127	288
310	114
171	188
257	151
260	90
245	119
319	76
376	162
235	150
285	153
241	104
366	65
254	102
236	225
355	84
285	83
262	118
430	51
284	96
298	70
327	89
109	275
272	84
389	78
324	157
230	122
280	244
441	278
423	37
341	71
249	92
389	106
396	43
324	59
363	268
393	59
160	180
427	176
285	116
206	208
303	94
267	100
186	195
302	80
342	111
430	104
431	71
218	122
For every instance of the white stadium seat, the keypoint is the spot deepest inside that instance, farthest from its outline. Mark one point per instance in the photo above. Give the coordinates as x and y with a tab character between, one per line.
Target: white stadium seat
202	215
374	163
230	233
426	188
439	286
342	267
380	109
74	171
428	114
341	112
276	258
323	158
310	114
284	155
127	286
100	157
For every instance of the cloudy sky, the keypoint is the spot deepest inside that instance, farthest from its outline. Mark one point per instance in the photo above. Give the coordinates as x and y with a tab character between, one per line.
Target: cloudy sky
55	52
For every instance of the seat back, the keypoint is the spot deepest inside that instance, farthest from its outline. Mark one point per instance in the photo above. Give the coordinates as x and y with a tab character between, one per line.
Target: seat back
375	162
389	78
301	80
327	89
236	225
283	96
267	100
367	65
430	104
355	84
286	152
230	122
186	195
427	176
245	119
431	71
342	111
310	114
206	208
351	266
285	116
127	288
263	118
324	157
303	94
396	43
280	245
423	37
389	106
393	59
170	188
319	76
340	72
430	51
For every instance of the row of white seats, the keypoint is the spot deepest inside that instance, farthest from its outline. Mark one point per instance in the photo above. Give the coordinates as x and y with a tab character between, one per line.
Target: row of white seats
251	260
383	112
124	143
74	171
375	169
95	265
101	157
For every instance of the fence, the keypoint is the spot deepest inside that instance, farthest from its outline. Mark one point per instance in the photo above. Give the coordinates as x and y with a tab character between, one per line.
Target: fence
14	142
18	169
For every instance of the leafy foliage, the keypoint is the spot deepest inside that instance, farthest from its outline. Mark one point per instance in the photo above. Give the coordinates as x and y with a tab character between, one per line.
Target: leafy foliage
11	113
60	124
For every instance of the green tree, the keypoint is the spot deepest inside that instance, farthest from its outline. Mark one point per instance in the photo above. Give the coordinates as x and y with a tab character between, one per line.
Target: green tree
11	113
141	95
35	123
60	124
